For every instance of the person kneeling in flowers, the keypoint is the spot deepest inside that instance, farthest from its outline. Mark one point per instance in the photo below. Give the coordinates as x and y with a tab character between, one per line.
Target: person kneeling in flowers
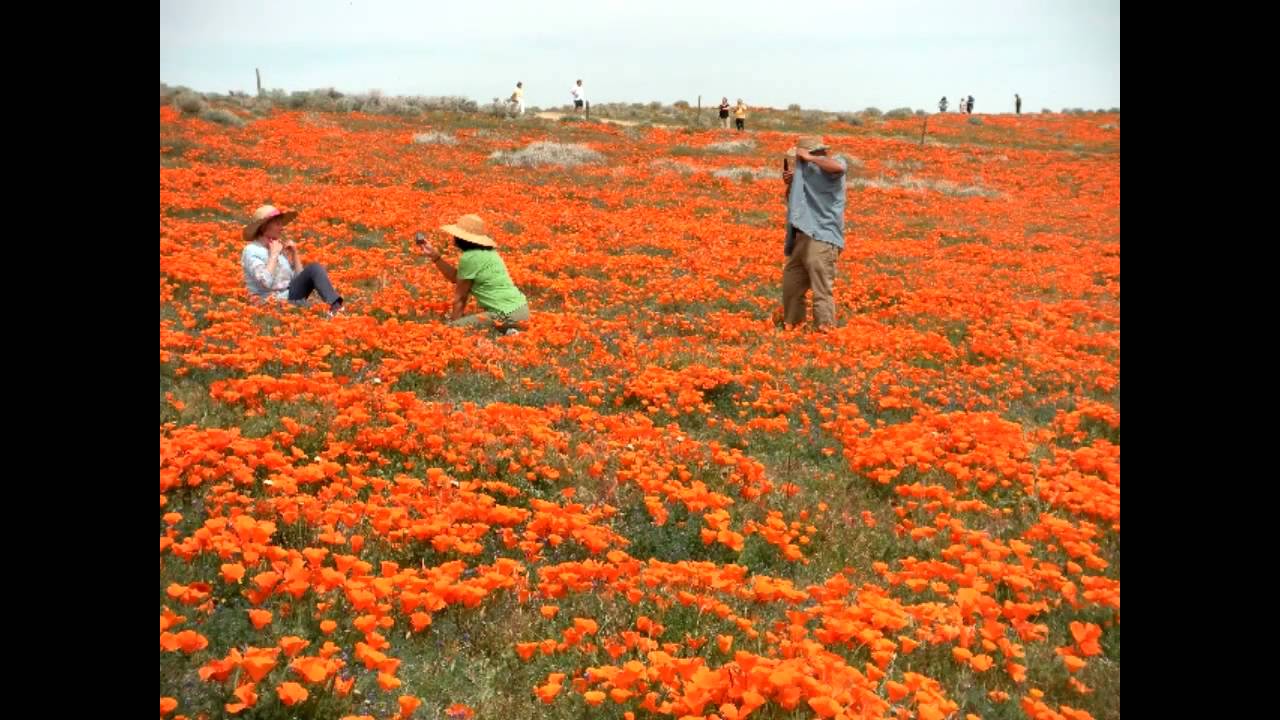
481	273
272	267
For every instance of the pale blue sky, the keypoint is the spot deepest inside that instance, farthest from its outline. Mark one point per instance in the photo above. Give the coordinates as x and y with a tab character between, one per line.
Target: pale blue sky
836	55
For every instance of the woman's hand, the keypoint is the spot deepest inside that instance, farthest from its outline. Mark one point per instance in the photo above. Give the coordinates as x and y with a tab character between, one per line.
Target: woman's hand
430	252
274	247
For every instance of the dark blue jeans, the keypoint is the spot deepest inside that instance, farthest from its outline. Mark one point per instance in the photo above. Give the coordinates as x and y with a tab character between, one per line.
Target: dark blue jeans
314	277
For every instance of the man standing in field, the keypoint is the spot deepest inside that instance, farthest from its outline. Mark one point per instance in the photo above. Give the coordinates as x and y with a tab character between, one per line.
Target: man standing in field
579	96
815	231
1017	104
517	98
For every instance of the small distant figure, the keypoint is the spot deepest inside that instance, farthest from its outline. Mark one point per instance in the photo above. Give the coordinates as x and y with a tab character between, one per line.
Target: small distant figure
724	113
517	98
740	115
579	96
969	109
942	104
1017	104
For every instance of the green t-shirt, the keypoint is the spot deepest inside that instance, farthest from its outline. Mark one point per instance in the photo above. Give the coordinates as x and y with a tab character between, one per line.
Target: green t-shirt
490	283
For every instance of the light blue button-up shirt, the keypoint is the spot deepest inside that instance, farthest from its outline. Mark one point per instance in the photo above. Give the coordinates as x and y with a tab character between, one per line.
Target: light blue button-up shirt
815	205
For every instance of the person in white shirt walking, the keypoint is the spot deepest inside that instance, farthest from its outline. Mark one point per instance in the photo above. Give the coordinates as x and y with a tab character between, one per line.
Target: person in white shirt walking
579	96
517	98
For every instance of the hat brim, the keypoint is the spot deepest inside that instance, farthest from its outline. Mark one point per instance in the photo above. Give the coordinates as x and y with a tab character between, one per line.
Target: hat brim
791	151
470	237
251	229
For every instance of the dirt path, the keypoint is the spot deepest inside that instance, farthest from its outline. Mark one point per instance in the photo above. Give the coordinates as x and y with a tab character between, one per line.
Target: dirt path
626	123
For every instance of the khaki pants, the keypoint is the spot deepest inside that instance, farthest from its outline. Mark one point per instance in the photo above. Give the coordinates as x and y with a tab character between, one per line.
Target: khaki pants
812	265
493	319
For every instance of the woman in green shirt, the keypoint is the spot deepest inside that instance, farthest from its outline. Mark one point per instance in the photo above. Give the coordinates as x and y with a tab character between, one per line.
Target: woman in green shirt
481	273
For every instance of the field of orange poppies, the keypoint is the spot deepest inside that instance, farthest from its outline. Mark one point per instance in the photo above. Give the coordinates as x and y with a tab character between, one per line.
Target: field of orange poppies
654	502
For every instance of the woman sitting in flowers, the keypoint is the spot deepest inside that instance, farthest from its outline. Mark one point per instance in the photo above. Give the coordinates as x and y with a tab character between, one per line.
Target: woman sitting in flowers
481	273
272	267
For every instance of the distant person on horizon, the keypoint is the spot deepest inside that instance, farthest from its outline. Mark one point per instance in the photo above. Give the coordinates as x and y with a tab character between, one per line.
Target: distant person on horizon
724	113
740	115
579	96
970	108
1017	104
942	104
517	98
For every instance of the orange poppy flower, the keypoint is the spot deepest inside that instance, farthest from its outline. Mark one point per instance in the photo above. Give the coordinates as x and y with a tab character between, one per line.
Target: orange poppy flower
291	693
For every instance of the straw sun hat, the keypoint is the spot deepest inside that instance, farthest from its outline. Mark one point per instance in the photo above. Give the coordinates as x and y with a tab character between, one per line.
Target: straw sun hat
263	215
810	144
471	229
